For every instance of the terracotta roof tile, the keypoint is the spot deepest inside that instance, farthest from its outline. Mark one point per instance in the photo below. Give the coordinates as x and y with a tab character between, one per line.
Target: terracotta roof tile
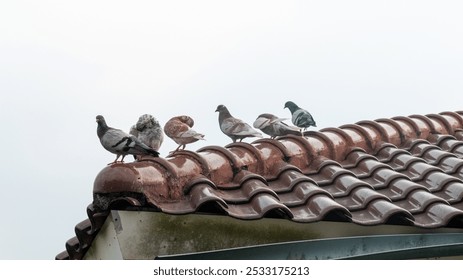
403	170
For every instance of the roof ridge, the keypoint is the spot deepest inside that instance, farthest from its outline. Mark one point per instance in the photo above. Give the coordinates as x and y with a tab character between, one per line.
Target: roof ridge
308	153
382	151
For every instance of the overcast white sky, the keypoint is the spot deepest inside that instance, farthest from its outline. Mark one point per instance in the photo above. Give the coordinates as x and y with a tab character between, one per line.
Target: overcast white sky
64	62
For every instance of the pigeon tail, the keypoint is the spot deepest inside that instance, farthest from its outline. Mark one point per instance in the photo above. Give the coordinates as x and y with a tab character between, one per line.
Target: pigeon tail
144	149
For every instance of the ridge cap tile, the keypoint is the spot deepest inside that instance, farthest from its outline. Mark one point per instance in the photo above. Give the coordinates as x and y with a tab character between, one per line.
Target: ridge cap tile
234	163
331	147
454	115
259	159
381	131
443	121
410	123
196	157
428	121
367	138
393	123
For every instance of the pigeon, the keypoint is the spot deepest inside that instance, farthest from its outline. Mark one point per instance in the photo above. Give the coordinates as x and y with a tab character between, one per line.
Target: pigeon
179	129
119	142
234	128
148	131
274	126
300	117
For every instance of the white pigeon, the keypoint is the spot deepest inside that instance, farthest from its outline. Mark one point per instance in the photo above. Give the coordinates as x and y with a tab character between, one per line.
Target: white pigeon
180	130
119	142
300	117
274	126
234	128
148	131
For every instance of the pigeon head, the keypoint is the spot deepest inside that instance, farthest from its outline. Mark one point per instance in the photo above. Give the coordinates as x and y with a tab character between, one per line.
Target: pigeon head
100	120
291	106
102	126
221	108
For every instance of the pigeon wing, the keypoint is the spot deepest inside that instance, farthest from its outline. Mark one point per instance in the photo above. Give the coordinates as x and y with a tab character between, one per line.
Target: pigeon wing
119	142
114	140
190	133
237	127
262	122
174	128
302	118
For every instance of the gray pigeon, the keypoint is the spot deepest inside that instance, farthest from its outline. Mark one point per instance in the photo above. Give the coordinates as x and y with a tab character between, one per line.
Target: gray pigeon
148	131
120	143
274	126
179	129
300	117
234	128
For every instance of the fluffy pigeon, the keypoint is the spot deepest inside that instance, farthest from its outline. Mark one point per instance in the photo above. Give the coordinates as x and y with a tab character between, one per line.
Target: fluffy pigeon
120	143
179	129
234	128
300	117
148	131
274	126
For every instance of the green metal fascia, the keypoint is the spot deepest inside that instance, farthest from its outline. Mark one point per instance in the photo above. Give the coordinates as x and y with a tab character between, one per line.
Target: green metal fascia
378	247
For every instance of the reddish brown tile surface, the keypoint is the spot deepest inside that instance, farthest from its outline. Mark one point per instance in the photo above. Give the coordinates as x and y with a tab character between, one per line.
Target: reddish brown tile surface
403	170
